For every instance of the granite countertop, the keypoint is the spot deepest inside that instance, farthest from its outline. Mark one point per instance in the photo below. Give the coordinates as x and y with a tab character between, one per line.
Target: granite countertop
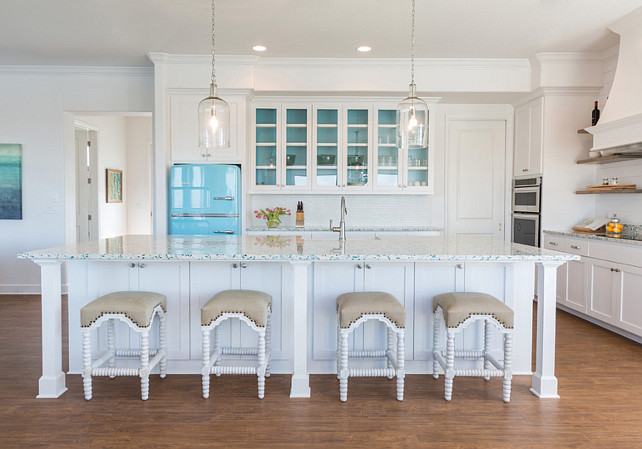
275	248
348	228
630	239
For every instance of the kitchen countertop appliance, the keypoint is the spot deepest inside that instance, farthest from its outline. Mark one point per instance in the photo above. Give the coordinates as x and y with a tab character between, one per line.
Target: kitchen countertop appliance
205	199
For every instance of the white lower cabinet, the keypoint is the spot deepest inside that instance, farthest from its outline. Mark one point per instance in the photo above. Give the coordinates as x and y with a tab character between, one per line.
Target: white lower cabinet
600	285
209	278
333	279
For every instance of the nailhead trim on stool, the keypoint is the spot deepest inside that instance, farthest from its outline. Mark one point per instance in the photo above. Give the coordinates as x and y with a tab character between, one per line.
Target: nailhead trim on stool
137	310
356	308
252	307
457	311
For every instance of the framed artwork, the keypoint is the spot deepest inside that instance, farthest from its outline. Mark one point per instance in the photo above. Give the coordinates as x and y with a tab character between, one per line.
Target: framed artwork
114	185
10	181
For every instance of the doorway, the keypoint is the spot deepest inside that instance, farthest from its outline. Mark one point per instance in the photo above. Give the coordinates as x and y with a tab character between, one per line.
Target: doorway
86	138
476	177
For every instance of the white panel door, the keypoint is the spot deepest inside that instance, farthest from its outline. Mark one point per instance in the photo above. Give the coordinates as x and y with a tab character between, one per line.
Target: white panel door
601	290
476	177
629	298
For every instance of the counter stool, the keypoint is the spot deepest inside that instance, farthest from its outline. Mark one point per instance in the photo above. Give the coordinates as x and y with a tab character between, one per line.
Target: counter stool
356	308
252	307
137	310
458	310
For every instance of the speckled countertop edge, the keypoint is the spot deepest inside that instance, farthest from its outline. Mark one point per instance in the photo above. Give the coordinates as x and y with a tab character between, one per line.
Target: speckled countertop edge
350	229
595	237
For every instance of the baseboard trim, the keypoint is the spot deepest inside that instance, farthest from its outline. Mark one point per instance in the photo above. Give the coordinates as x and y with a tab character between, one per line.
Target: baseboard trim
597	322
25	289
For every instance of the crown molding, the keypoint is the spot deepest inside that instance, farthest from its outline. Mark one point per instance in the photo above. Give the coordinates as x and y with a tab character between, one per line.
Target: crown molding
558	92
75	70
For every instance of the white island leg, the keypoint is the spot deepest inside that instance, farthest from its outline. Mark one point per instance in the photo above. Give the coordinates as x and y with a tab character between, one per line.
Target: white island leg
52	382
544	383
300	387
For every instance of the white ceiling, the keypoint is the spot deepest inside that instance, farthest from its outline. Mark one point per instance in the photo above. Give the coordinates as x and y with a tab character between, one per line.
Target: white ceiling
122	32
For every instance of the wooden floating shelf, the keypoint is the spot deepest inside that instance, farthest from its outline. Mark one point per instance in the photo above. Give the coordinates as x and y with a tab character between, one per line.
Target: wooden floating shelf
610	158
582	131
602	192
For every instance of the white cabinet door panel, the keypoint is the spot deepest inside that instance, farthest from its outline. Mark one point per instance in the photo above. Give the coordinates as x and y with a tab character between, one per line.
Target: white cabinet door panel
601	301
431	279
576	291
630	299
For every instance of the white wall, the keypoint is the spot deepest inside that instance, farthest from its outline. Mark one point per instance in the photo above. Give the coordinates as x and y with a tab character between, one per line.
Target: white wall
137	177
34	102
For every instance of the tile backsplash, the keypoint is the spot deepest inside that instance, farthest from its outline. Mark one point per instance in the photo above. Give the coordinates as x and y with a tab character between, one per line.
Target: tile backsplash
363	210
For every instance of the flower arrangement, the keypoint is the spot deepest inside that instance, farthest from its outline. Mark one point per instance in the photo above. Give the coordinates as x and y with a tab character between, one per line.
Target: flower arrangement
272	215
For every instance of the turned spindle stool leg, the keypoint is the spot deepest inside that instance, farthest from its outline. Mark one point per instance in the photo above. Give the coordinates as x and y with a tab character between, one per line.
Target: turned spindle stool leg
86	362
435	346
487	341
450	365
144	365
111	345
401	355
205	370
162	365
508	365
261	364
343	367
390	348
268	344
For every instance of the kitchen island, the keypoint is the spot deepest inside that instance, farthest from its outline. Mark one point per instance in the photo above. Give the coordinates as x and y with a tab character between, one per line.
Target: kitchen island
304	278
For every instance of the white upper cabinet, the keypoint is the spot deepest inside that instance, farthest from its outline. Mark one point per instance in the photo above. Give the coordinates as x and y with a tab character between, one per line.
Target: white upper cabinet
326	147
183	115
529	131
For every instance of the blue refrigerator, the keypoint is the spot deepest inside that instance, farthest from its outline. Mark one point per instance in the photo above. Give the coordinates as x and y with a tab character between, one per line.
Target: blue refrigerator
205	199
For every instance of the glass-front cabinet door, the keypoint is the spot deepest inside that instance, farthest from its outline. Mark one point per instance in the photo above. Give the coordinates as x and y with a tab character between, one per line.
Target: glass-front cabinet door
266	160
388	162
297	148
327	175
356	155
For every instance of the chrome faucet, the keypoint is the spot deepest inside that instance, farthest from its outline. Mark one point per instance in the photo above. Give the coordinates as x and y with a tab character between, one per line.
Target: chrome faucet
341	229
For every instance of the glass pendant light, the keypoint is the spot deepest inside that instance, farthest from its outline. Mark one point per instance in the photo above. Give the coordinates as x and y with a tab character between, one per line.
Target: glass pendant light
213	112
412	112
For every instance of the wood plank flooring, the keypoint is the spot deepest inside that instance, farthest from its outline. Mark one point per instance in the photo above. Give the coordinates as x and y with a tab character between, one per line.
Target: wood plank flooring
600	377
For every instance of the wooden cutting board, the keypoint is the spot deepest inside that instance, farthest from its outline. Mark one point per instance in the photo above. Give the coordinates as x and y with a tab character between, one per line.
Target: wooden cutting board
614	187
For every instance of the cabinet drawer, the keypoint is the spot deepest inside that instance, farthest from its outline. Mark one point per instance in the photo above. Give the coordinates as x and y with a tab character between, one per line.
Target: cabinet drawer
567	245
617	252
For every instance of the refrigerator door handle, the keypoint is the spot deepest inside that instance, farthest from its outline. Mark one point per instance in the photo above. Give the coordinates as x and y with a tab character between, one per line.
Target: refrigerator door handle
225	198
229	231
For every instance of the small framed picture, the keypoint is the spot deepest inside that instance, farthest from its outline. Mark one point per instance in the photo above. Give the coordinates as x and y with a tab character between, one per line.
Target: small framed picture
114	186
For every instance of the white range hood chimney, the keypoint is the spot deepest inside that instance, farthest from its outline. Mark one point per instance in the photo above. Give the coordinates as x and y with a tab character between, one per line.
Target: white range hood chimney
620	127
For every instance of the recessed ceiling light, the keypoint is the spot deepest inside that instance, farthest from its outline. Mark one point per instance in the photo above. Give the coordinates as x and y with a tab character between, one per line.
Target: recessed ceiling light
259	48
363	48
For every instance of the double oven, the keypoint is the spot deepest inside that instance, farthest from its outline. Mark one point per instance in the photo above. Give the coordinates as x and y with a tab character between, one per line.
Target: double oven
527	207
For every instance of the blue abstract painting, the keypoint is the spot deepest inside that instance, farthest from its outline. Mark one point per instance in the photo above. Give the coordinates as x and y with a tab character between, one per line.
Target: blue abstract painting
10	181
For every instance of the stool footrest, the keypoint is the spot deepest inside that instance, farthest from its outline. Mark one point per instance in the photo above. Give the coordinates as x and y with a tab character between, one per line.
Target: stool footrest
223	369
468	354
372	372
367	353
479	372
115	371
133	352
240	351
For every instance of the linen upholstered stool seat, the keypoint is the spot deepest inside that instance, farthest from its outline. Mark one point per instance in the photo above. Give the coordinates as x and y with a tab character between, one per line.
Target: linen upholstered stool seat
252	307
458	310
353	309
137	310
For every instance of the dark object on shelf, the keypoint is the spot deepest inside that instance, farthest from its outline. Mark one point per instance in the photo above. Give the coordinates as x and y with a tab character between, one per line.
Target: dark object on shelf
595	116
289	159
325	159
582	131
355	160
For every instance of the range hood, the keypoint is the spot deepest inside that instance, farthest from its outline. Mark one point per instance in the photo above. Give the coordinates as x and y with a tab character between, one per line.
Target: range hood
620	127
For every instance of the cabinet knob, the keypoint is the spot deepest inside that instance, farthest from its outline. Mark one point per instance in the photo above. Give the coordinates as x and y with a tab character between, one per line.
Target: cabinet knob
524	169
553	243
616	270
141	265
368	266
133	265
243	265
460	266
575	247
359	266
235	265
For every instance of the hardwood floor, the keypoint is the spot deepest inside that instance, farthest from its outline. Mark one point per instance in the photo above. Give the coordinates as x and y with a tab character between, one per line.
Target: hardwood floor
600	377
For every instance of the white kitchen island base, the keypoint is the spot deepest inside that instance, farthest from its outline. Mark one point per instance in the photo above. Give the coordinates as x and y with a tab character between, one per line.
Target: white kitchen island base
304	279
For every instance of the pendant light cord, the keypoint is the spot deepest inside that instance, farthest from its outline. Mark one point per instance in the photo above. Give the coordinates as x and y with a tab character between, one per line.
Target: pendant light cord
412	46
213	78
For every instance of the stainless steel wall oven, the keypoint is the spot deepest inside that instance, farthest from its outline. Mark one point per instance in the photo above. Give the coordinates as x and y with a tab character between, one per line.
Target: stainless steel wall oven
526	210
